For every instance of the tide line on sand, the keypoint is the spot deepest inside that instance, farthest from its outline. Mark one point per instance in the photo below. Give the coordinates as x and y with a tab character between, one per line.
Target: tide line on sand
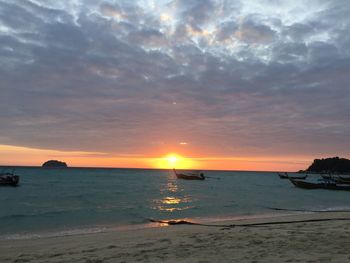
185	222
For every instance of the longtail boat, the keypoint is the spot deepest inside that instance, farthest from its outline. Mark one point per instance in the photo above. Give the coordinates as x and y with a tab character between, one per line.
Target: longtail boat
343	180
8	179
324	185
189	176
337	179
286	176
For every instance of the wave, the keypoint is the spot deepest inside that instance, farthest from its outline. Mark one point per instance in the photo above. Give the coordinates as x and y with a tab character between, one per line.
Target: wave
72	232
313	210
336	209
77	231
40	214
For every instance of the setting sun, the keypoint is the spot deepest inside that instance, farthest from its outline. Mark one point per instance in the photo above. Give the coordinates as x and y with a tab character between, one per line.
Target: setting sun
174	161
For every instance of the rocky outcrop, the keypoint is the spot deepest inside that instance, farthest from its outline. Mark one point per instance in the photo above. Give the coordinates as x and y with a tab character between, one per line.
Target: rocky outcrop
54	164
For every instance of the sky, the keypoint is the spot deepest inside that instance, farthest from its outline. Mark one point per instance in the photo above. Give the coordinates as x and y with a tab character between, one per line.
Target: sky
251	85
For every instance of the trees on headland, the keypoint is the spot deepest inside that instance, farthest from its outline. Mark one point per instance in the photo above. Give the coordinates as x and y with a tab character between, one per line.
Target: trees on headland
330	165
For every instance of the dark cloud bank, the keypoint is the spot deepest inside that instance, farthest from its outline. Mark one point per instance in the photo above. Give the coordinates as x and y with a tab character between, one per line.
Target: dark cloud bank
229	79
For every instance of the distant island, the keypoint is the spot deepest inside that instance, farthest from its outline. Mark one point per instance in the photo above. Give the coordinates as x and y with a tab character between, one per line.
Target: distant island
329	165
54	164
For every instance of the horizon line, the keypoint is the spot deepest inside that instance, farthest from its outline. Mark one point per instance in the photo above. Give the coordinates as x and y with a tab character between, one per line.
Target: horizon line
135	168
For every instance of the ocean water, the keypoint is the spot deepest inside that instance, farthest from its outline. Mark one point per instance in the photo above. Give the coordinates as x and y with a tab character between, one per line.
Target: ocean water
74	200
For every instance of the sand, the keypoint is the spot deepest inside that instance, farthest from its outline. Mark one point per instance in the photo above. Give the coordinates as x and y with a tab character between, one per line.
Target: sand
327	241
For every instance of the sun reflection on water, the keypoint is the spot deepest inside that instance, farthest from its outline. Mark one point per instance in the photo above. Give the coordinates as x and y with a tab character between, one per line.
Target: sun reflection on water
172	203
172	187
172	199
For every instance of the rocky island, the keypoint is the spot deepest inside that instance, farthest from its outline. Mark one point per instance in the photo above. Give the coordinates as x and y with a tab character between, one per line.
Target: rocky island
330	165
54	164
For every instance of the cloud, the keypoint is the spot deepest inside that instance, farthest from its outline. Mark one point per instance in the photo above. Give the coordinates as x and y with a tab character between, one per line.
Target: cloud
197	12
113	11
226	31
103	76
148	38
253	32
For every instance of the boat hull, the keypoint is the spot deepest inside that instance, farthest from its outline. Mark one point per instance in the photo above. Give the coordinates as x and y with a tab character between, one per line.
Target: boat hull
286	176
189	177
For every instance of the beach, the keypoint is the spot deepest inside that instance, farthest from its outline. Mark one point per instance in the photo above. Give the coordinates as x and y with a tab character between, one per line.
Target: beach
321	241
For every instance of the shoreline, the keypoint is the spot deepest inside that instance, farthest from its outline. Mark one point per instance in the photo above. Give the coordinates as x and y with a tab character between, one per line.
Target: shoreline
95	229
323	241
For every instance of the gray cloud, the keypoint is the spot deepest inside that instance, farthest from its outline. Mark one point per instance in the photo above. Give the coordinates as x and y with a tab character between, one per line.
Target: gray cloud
197	12
252	32
226	31
113	77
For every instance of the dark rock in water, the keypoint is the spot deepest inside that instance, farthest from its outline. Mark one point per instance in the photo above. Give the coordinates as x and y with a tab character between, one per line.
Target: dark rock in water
330	165
54	164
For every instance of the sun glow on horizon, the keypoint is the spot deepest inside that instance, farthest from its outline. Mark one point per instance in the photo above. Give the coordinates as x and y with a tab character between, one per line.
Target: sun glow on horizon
11	155
173	160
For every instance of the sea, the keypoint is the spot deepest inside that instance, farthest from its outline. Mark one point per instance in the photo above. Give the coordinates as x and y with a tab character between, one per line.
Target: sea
56	202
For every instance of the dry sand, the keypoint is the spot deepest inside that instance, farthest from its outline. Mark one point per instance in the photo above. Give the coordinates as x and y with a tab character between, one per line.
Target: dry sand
327	241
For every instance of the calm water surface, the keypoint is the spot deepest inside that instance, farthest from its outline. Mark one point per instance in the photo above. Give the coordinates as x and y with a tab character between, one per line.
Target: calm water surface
66	200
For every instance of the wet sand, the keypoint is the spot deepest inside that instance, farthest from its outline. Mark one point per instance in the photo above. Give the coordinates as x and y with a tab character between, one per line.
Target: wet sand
325	241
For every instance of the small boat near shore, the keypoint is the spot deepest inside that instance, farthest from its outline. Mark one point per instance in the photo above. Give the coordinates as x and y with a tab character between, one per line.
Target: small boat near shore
189	176
343	180
322	185
8	179
336	178
286	176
